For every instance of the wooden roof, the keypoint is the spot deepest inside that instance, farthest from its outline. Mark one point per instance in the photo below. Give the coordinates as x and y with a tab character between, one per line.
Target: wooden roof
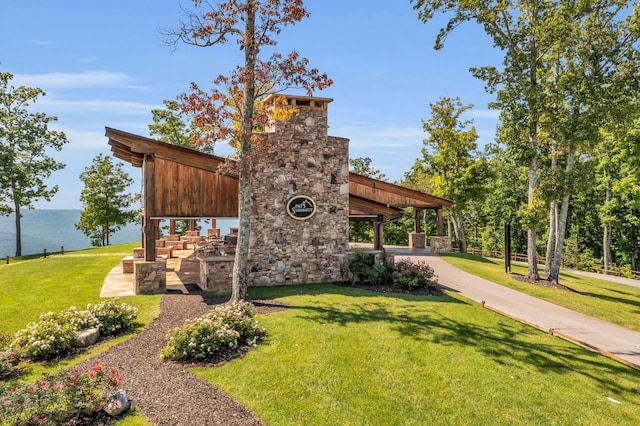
188	183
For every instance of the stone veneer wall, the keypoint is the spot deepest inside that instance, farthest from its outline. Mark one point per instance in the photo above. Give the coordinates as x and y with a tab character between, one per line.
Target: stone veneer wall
303	160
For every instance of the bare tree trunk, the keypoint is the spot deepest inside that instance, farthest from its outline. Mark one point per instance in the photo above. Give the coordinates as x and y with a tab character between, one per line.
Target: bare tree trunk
16	207
551	240
553	214
240	284
532	255
606	236
458	227
554	273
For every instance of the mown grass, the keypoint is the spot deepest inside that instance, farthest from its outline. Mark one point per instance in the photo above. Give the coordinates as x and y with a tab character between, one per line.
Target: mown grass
39	285
601	299
351	357
31	285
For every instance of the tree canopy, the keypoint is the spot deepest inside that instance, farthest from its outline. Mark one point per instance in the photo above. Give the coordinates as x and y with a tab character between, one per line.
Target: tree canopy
25	142
228	112
106	204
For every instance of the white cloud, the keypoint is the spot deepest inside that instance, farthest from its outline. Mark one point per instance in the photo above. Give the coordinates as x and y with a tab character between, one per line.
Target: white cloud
97	105
62	80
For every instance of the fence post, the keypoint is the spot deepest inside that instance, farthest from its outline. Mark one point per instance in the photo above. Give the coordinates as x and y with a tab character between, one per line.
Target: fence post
61	249
45	253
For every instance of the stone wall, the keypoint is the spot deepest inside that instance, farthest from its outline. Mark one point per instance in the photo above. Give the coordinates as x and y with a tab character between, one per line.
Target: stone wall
302	160
216	273
440	244
150	277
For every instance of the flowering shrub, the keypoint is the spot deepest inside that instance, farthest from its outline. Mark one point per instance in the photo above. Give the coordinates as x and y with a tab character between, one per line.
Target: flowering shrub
402	275
58	399
50	337
408	275
9	360
223	329
113	317
55	333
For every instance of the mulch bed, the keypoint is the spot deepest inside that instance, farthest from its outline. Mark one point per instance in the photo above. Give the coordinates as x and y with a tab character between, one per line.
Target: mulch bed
543	283
165	392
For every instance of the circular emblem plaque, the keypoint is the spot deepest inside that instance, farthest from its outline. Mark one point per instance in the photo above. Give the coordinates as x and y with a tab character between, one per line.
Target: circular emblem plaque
301	207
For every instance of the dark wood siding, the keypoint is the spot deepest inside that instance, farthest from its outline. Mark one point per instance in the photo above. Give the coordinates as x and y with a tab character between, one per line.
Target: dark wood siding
186	191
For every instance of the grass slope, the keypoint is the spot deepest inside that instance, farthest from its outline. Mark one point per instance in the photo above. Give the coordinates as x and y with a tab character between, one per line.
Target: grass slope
347	356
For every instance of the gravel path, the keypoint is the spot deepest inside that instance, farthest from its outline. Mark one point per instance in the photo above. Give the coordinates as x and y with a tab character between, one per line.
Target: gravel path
165	392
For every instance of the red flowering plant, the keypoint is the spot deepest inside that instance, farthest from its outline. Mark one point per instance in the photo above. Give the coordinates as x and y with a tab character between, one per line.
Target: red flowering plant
58	399
409	275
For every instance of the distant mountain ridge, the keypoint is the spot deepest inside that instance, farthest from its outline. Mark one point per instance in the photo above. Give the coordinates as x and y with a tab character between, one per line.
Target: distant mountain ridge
53	229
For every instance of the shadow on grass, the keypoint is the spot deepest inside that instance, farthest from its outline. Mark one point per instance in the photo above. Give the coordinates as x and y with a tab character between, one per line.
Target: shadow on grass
504	341
468	256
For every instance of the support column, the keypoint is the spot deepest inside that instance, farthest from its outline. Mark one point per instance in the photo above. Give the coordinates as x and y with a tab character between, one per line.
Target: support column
440	222
377	233
149	203
416	220
172	226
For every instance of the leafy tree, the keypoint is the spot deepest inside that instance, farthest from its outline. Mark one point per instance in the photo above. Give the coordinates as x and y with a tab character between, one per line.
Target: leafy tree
25	139
105	203
522	30
558	60
449	155
362	166
229	112
593	71
618	175
169	127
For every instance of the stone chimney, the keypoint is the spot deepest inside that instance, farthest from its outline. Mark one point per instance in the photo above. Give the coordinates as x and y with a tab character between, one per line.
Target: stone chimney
300	207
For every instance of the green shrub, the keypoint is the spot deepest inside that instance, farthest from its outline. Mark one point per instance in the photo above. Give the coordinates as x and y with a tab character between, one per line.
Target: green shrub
402	275
113	317
408	275
221	330
55	333
48	338
58	399
9	360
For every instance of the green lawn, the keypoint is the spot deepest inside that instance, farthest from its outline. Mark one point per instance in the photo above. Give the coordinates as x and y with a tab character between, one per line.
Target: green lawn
36	285
350	357
602	299
347	356
31	285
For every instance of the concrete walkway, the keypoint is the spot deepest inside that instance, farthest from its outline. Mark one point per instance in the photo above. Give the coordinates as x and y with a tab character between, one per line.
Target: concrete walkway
609	339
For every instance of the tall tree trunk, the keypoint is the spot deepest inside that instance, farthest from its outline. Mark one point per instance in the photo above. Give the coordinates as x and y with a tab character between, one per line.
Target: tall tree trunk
532	255
553	214
240	284
458	227
551	239
16	207
554	273
606	235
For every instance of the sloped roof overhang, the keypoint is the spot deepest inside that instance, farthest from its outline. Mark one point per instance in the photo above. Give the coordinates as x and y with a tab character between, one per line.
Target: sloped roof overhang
368	197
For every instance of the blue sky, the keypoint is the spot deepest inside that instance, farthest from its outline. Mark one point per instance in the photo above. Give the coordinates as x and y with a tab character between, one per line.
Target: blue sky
104	64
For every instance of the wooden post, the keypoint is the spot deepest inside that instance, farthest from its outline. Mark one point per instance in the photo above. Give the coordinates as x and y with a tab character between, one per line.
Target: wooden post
440	222
192	225
149	202
377	233
172	226
416	220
